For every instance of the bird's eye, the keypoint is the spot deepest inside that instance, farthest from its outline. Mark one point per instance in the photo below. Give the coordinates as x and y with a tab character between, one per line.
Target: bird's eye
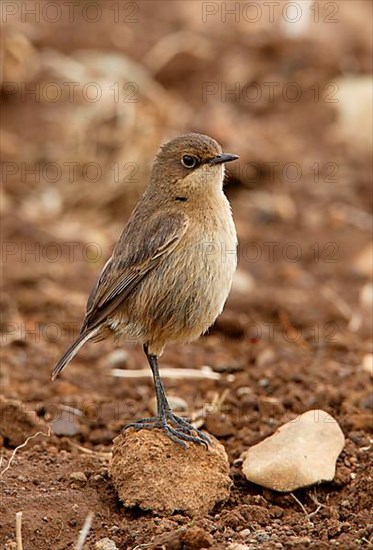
189	162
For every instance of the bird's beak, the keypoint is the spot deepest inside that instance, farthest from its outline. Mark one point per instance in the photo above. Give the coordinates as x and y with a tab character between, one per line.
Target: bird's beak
223	157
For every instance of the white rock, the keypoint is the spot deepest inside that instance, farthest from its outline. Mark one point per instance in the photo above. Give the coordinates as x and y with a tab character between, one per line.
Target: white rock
354	107
118	358
300	453
105	544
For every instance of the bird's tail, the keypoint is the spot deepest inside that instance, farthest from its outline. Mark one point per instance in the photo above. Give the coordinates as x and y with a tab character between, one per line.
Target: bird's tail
71	352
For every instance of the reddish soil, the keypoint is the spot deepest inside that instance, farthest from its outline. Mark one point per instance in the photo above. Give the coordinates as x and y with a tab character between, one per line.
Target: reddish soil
294	335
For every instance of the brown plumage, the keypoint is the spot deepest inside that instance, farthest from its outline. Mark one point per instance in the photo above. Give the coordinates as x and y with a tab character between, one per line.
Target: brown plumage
172	267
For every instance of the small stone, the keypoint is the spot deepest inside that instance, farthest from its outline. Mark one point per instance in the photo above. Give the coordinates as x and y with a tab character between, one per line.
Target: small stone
119	359
354	111
300	453
65	424
243	283
244	390
261	536
265	357
105	544
367	363
366	296
78	476
151	471
219	424
363	264
270	407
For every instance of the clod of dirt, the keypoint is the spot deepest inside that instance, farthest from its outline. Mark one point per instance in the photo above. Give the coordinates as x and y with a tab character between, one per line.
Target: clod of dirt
17	423
151	471
219	424
300	453
193	538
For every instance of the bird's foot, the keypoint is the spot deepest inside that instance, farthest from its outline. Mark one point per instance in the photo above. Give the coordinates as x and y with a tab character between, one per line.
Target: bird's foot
176	428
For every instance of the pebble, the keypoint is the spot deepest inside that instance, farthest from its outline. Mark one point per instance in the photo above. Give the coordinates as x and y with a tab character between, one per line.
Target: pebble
219	424
364	261
354	111
367	363
265	357
366	296
118	359
65	424
243	282
300	453
105	544
78	476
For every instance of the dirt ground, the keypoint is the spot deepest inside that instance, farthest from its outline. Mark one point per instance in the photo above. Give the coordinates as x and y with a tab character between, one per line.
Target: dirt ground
296	331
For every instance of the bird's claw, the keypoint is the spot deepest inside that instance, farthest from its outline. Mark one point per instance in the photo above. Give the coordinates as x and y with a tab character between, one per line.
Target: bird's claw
176	428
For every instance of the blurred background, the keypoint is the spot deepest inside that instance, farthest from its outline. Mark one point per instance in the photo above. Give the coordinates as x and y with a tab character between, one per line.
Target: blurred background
89	90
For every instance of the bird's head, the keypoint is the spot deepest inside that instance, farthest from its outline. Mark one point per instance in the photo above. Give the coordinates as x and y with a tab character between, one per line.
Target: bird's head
193	162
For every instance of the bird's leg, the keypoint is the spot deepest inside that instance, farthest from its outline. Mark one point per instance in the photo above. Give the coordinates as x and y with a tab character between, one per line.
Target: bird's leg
163	406
181	430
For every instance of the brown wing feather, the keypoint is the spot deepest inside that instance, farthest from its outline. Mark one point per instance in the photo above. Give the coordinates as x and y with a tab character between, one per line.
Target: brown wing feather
138	251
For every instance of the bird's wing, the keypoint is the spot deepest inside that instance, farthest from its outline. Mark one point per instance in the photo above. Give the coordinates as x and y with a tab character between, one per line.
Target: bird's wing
138	251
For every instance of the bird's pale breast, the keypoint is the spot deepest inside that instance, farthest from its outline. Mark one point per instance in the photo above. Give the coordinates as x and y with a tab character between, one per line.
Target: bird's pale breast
185	293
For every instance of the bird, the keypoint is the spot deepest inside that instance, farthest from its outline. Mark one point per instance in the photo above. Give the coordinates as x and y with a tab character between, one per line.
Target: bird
171	269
